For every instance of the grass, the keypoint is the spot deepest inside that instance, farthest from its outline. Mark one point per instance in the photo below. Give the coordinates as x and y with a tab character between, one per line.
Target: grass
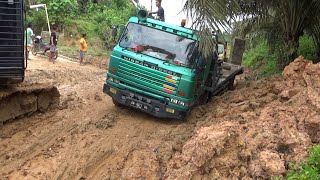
309	169
260	59
97	55
307	48
70	47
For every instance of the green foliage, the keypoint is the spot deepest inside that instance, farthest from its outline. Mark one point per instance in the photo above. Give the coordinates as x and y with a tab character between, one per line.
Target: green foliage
260	58
38	20
60	10
266	58
307	48
309	169
106	16
290	18
76	27
75	17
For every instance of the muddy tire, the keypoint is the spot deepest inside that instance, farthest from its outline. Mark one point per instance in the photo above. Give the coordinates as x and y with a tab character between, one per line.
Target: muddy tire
116	103
55	55
183	116
34	52
205	98
231	84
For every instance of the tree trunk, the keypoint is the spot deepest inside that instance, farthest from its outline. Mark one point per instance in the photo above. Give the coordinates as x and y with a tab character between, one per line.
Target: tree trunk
291	49
317	56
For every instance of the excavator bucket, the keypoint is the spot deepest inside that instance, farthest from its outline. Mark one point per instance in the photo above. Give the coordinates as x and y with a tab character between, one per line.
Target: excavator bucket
17	101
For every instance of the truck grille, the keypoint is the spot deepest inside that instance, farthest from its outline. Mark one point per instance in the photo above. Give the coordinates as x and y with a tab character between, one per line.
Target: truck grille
11	40
147	78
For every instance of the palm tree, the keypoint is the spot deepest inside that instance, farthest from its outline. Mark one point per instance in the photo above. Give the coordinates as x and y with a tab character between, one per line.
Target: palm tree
314	30
292	17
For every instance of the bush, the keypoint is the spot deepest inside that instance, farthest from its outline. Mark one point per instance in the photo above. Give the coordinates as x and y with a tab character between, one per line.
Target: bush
75	17
307	48
260	58
309	169
76	27
38	21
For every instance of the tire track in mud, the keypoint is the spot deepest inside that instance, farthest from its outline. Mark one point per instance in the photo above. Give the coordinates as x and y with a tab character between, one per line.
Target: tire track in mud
148	135
48	144
27	148
87	137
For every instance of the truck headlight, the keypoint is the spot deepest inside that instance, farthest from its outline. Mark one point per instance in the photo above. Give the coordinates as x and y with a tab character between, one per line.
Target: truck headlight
175	101
110	78
113	80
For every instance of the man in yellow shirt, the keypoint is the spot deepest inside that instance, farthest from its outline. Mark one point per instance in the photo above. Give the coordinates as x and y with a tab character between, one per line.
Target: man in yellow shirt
83	48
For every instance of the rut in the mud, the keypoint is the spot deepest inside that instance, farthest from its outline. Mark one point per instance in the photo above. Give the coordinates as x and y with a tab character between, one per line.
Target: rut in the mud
252	132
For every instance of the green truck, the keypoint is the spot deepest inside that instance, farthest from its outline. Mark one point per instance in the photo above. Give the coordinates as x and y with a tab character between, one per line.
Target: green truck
157	68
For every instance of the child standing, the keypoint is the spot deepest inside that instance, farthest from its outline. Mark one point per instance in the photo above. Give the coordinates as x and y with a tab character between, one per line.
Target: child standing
83	48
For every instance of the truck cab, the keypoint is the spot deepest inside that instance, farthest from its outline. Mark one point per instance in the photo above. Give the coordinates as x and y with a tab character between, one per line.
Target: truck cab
157	68
222	51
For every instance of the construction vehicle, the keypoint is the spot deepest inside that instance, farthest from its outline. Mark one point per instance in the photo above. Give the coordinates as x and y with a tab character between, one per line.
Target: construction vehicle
157	68
222	51
12	63
18	98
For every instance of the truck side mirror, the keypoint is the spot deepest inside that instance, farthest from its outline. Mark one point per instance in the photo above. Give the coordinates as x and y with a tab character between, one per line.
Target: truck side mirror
122	28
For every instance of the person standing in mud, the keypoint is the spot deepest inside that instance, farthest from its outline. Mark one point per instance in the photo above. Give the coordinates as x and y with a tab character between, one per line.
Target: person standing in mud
53	44
28	40
83	48
115	33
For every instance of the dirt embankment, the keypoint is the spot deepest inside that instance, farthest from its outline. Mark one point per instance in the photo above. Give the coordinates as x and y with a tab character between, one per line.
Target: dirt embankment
256	130
252	132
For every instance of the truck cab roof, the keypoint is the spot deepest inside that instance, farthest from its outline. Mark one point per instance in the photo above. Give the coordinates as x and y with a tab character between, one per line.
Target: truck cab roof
170	28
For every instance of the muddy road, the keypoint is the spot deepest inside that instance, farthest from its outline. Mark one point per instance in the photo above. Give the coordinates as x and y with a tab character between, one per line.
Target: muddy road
86	136
252	132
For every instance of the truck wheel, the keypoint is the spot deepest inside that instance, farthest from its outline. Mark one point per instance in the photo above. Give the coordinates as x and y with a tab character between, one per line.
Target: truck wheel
231	84
47	52
183	116
116	103
204	98
34	51
55	55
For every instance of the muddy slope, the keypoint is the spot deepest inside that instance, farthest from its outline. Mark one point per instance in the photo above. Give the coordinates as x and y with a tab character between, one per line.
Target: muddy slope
255	131
252	132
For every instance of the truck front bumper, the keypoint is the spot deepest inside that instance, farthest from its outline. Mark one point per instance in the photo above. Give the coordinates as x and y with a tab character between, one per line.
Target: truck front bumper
143	103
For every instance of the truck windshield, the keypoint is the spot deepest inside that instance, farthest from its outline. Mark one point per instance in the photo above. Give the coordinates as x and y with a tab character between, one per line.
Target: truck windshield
159	44
220	48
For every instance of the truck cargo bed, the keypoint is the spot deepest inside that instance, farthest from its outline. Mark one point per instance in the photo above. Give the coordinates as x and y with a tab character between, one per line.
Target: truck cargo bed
229	71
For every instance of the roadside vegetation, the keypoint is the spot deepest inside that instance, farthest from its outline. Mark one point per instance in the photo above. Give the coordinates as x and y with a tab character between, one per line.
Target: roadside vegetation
75	17
288	27
260	57
309	169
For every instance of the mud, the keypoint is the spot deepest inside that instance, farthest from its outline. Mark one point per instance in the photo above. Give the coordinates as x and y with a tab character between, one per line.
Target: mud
26	99
252	132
